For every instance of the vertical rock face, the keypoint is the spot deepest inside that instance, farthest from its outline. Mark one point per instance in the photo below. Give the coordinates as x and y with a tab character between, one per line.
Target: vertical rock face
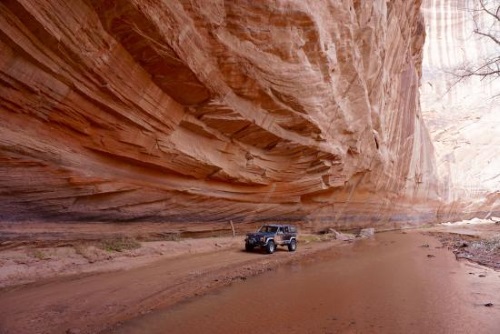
144	110
463	115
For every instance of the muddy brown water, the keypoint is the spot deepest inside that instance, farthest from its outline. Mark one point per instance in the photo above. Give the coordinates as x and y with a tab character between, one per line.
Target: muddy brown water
392	283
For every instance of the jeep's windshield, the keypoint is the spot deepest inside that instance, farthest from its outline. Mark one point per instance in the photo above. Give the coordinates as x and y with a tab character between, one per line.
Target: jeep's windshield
268	229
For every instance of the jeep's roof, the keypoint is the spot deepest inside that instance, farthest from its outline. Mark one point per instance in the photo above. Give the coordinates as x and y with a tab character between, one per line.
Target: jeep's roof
277	225
291	227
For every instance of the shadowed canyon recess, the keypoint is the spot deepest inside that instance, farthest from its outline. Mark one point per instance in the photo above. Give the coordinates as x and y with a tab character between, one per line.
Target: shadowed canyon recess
183	112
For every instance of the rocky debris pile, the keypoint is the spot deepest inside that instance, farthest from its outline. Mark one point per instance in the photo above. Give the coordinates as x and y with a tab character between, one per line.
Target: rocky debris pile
363	233
485	251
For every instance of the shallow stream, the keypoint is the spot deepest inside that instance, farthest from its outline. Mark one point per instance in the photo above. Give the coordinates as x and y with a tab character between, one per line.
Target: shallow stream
392	283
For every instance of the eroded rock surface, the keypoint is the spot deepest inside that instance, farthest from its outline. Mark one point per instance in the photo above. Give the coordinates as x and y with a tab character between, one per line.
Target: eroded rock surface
140	110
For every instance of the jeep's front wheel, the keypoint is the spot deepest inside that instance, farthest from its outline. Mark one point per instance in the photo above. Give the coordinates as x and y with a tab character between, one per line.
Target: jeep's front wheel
292	246
270	247
248	247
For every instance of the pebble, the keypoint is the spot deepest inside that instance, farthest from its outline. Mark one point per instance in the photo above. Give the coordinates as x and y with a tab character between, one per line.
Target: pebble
73	331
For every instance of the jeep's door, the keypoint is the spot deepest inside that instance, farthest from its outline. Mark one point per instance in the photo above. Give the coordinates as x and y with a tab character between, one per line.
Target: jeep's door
279	236
287	234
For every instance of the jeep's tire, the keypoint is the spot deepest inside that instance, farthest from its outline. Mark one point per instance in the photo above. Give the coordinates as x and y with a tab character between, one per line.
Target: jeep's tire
270	247
248	247
292	246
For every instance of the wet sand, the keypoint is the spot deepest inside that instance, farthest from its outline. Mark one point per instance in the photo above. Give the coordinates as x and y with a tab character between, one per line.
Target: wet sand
392	283
89	302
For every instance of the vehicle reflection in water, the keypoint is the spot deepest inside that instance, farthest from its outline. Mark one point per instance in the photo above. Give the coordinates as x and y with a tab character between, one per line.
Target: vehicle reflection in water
386	284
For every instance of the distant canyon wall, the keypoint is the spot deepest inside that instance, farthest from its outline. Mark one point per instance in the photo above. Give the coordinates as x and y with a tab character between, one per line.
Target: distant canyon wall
463	116
184	111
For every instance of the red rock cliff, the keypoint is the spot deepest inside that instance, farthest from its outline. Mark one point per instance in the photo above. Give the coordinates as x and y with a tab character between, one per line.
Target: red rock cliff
149	110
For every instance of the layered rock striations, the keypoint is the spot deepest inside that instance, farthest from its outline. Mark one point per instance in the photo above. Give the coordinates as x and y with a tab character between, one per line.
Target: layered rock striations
144	110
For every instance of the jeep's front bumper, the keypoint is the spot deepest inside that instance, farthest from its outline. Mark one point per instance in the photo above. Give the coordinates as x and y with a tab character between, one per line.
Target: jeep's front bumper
256	242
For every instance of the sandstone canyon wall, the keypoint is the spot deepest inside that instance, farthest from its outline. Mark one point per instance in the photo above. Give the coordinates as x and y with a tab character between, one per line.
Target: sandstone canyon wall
463	116
202	111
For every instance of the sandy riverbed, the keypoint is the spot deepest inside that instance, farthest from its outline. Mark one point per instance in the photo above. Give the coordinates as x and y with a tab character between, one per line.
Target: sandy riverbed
392	283
111	290
91	289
